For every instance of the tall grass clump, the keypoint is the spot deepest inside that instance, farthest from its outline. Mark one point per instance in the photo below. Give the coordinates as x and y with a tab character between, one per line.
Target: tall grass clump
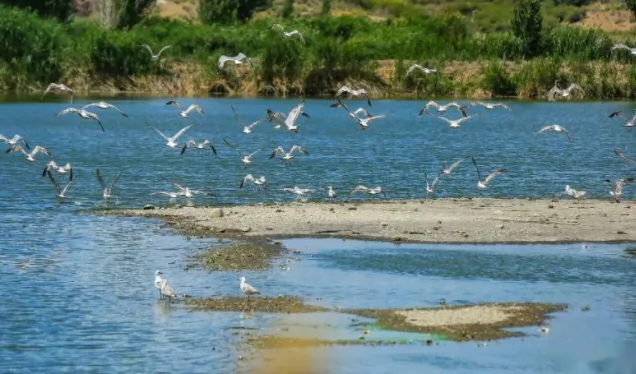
534	76
497	80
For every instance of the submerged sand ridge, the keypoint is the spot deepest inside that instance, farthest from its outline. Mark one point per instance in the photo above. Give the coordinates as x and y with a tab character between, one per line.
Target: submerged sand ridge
441	220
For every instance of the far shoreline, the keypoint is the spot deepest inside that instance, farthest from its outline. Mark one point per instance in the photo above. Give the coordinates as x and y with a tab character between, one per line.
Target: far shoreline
440	221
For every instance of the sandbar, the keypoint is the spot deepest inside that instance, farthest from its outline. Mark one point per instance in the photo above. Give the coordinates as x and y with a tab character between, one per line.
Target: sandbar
463	220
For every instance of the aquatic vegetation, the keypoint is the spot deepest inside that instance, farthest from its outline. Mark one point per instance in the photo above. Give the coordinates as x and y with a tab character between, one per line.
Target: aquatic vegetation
279	304
239	256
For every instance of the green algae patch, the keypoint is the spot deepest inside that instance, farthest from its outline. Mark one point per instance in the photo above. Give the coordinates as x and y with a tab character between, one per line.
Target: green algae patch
465	322
280	304
256	255
629	253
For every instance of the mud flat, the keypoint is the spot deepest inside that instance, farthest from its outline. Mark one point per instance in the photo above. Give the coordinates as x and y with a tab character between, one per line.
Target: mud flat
426	221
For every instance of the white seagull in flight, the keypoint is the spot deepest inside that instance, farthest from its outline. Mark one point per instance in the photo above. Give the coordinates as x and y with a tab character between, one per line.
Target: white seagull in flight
421	68
289	34
14	141
632	51
442	108
447	171
172	141
555	128
105	105
256	181
185	113
153	56
617	187
60	169
107	190
430	186
455	123
288	155
200	146
247	129
288	120
363	122
83	114
237	60
60	191
483	184
563	93
29	156
371	191
245	158
355	93
58	86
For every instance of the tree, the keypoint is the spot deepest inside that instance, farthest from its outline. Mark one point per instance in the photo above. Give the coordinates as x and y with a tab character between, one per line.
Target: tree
288	9
108	13
326	8
60	9
130	12
527	24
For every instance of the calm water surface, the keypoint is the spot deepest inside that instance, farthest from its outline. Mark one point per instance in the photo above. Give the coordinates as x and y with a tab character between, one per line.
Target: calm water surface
78	293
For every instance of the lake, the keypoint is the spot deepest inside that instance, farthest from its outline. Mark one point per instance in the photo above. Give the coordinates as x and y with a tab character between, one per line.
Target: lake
78	292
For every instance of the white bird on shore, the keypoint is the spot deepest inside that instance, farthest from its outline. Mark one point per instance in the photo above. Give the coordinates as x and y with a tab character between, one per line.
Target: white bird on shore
153	56
288	155
257	181
288	120
83	114
237	60
621	155
29	156
172	141
617	187
60	169
246	159
159	282
200	146
185	113
187	192
107	191
60	191
289	34
331	193
632	51
371	191
59	87
299	191
167	291
247	288
576	194
104	105
247	129
483	184
355	93
563	93
14	141
430	186
555	128
491	106
421	68
442	108
447	171
455	123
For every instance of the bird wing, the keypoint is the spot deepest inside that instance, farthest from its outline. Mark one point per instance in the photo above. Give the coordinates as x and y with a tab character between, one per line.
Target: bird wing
100	179
181	132
494	174
342	90
57	186
236	115
117	109
366	114
232	146
112	184
575	86
222	60
148	48
553	92
456	163
477	168
254	123
373	118
445	119
547	128
567	134
39	149
160	133
621	155
67	111
163	49
463	119
293	114
413	67
620	46
624	181
299	34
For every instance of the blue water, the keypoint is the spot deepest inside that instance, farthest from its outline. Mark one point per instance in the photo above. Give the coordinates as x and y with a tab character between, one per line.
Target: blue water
78	293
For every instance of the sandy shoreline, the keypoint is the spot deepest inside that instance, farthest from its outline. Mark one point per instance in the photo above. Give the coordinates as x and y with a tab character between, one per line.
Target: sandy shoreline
425	221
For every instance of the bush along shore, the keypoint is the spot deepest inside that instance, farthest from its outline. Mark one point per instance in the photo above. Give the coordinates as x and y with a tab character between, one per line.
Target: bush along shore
35	51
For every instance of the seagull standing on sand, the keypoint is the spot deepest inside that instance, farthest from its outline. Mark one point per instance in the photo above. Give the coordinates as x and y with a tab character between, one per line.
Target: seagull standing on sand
172	141
288	120
331	193
247	129
60	191
105	105
185	113
153	56
617	187
245	158
83	114
555	128
107	191
237	60
60	169
167	291
59	87
14	141
289	34
371	191
29	156
483	184
257	181
159	282
355	93
200	146
288	155
247	288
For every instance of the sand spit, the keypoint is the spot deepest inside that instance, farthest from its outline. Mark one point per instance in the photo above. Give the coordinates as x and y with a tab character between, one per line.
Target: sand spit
427	221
